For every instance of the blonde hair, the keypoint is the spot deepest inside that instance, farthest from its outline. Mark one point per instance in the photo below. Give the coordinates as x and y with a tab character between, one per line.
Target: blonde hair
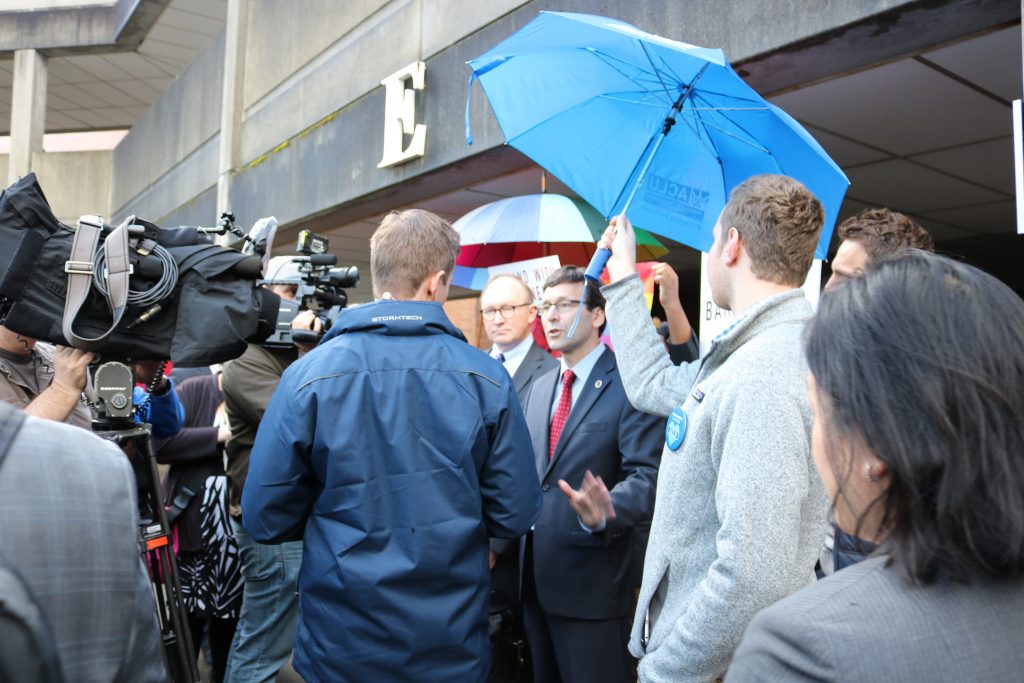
407	248
780	222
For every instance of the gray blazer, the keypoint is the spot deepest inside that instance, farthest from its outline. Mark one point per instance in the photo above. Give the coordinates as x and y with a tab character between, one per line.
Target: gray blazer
69	525
867	623
536	362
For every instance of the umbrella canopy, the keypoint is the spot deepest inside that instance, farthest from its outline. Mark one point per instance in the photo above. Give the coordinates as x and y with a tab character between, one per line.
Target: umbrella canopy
590	100
536	225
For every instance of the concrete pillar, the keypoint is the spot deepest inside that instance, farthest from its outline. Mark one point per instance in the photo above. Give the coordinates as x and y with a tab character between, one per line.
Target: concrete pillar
232	104
28	111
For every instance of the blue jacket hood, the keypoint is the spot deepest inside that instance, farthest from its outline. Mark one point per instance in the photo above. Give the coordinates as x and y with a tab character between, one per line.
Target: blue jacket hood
395	318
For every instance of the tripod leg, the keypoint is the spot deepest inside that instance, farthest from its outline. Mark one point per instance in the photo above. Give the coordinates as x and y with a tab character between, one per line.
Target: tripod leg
177	639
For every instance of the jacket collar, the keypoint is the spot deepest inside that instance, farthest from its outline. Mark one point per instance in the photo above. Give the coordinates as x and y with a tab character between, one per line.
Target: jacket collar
395	318
785	308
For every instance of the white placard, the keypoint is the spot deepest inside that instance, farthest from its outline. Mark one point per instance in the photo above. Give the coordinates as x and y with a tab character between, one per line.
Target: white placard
533	272
1018	163
715	320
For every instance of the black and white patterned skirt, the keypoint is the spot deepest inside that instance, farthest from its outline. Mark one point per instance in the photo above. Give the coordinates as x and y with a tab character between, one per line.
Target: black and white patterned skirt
211	577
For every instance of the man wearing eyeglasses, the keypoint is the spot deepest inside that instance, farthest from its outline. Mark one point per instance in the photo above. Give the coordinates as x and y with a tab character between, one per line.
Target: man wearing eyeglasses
577	581
509	312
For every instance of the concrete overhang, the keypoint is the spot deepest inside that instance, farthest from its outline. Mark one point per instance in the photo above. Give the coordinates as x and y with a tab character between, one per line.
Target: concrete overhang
876	39
55	32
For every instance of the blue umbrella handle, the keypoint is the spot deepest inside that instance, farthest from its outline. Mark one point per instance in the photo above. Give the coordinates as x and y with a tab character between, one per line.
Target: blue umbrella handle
597	263
576	320
593	273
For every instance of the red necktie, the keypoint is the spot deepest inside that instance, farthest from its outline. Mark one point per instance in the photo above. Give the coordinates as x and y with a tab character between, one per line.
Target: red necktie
562	411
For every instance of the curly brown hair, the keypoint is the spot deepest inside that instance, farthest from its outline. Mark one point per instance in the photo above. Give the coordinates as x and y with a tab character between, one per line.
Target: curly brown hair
883	231
780	222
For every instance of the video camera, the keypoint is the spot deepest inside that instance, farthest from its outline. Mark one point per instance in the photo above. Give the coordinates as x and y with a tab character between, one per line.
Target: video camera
321	288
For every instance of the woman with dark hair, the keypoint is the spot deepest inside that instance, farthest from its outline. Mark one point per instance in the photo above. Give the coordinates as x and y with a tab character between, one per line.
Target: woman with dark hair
917	386
196	501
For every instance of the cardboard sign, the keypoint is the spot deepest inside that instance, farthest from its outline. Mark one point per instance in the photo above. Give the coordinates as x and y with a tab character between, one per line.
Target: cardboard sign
533	272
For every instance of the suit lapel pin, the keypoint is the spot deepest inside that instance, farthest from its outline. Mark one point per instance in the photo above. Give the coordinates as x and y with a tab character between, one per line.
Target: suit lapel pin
597	384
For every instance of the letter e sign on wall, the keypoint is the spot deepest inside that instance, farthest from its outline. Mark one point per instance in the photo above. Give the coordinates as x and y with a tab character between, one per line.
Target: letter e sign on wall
400	115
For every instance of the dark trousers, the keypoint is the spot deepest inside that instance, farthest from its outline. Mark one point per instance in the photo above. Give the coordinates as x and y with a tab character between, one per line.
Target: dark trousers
573	650
221	632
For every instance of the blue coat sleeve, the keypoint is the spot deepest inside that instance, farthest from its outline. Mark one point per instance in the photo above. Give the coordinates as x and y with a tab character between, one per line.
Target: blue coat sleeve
508	479
164	412
282	487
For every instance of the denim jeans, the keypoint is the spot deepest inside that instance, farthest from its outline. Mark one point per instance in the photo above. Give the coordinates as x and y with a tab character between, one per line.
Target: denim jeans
270	609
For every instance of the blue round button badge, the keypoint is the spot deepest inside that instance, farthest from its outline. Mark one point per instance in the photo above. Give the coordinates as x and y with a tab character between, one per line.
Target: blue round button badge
675	429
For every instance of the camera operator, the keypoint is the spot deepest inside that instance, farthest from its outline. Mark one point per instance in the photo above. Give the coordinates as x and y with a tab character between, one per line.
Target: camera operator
46	381
266	627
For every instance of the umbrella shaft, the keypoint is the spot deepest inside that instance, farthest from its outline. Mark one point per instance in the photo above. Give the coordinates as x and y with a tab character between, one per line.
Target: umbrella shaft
670	121
643	172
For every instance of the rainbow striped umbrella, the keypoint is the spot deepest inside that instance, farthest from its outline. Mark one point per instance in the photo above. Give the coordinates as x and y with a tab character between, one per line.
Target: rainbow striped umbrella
535	225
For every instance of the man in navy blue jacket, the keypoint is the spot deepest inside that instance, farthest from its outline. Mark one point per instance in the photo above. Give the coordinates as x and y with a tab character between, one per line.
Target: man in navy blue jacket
394	449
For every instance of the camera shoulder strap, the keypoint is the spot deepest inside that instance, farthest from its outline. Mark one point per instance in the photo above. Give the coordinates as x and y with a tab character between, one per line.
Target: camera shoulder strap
79	268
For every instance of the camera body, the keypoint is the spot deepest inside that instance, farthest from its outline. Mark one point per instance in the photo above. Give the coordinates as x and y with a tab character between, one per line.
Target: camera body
320	288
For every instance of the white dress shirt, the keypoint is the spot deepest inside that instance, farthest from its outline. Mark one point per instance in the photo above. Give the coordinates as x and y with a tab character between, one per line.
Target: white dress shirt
582	369
514	356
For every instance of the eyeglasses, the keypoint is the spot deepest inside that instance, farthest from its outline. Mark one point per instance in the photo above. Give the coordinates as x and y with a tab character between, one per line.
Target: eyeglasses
564	307
506	311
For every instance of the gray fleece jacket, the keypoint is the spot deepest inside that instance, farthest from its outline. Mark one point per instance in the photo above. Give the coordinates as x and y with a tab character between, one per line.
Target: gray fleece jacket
740	511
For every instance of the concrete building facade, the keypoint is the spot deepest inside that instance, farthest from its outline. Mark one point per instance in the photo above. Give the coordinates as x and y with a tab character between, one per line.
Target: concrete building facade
282	112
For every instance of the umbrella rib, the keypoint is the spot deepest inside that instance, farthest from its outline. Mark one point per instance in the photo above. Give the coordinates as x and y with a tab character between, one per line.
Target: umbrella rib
674	74
656	105
706	124
705	91
758	147
608	59
697	132
655	69
728	108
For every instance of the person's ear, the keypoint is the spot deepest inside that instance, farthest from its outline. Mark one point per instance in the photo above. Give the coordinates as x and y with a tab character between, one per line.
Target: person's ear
874	469
597	318
732	247
531	313
436	286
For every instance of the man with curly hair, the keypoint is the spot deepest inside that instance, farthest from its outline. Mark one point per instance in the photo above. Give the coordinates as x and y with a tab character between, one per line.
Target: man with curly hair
870	234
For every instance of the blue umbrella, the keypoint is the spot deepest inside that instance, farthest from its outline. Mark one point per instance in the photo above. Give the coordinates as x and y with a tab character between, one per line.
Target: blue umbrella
630	120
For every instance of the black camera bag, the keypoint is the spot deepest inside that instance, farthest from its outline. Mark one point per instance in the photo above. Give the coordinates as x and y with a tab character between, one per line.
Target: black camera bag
216	307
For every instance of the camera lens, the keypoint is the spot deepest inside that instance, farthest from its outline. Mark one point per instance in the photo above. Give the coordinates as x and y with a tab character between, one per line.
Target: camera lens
345	277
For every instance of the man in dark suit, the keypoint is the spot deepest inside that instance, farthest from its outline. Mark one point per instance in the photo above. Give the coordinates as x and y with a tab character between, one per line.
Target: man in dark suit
506	303
508	311
577	593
